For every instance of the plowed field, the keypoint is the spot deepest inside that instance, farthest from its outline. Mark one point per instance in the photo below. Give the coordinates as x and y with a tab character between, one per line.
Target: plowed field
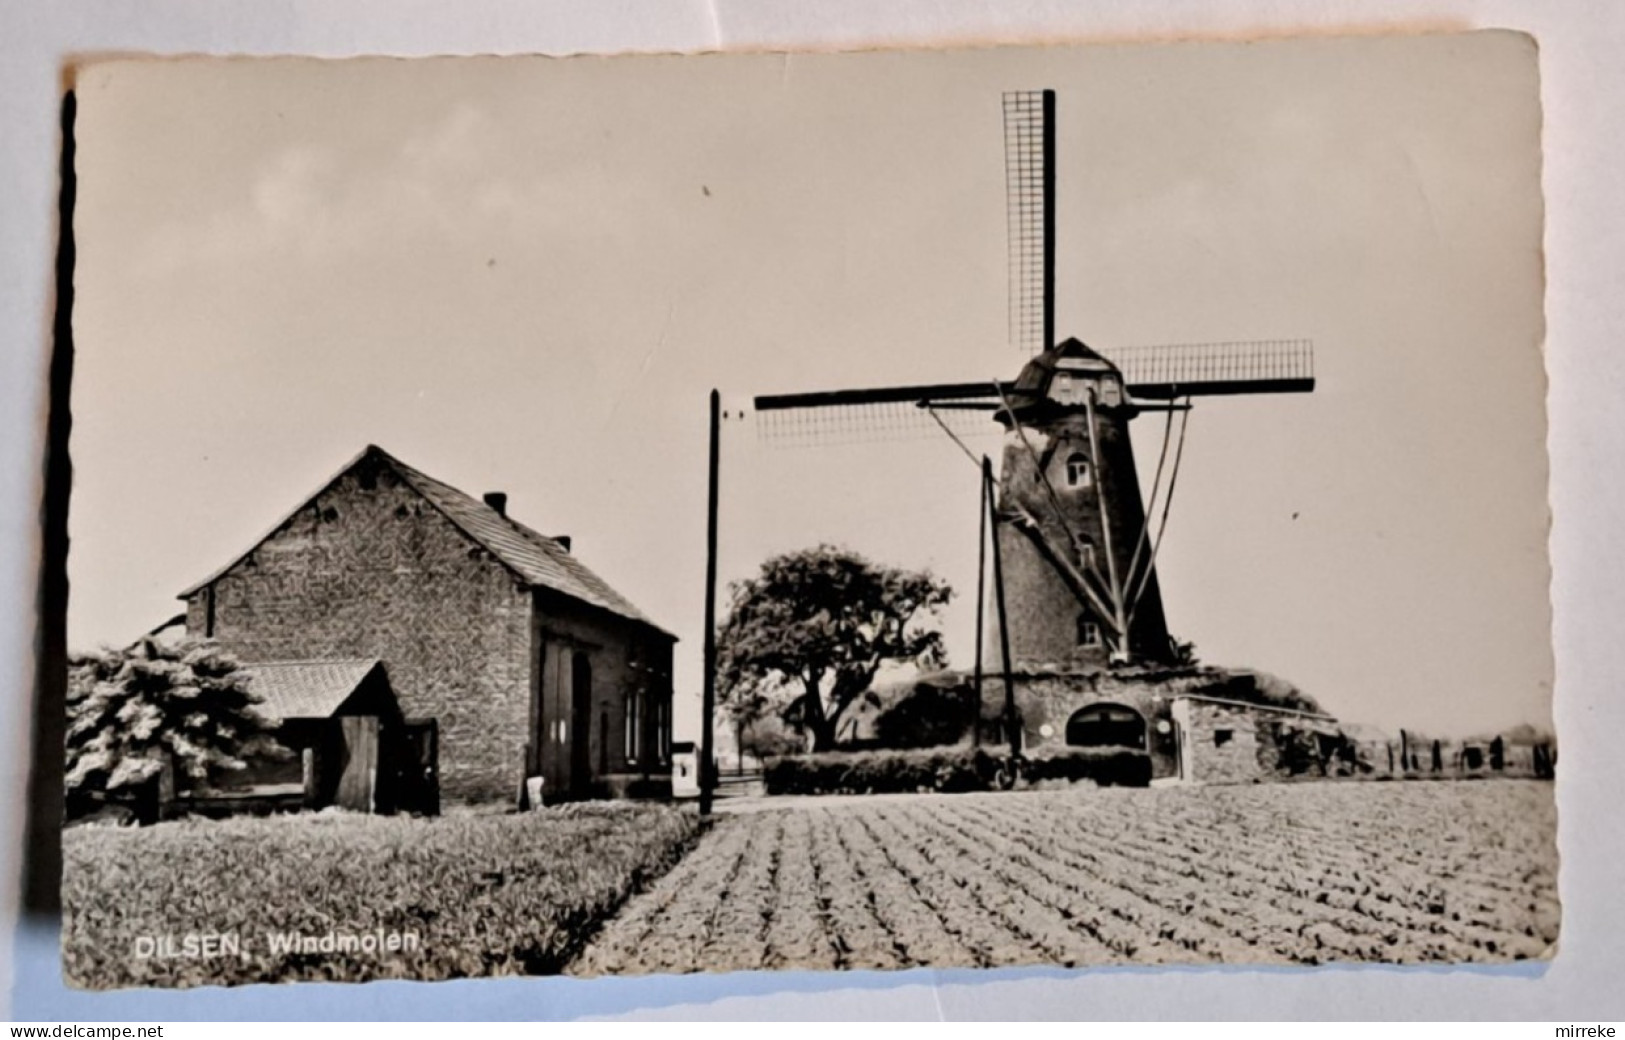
1293	873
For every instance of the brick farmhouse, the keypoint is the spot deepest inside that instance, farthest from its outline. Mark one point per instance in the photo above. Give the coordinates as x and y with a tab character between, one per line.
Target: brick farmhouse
501	646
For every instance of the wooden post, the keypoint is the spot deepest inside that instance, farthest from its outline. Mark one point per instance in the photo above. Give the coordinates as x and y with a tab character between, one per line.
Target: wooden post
307	775
166	788
708	697
1011	730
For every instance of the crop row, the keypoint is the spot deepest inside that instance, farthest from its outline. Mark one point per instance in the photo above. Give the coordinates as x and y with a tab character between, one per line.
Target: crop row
1306	873
207	902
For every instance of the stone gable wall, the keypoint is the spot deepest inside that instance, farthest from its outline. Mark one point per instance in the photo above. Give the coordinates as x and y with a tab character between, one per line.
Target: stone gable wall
370	569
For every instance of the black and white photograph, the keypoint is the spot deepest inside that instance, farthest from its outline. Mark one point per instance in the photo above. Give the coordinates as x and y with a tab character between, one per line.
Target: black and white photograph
1074	506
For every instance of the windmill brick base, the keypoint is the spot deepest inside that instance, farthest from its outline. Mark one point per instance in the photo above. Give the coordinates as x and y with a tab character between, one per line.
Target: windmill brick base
1190	720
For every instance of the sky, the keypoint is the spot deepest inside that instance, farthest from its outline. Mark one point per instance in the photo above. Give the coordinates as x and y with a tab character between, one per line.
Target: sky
525	274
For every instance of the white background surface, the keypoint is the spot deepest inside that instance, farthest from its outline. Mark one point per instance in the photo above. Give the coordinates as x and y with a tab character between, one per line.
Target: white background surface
1583	78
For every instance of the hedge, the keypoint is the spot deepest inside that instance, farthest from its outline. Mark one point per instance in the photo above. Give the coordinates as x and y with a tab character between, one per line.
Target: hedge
882	772
948	769
1107	766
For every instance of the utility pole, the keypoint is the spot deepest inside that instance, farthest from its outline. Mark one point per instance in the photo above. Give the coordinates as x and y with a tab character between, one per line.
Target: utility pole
708	705
981	598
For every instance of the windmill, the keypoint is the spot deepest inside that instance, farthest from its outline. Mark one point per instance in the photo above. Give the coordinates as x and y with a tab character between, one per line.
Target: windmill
1074	549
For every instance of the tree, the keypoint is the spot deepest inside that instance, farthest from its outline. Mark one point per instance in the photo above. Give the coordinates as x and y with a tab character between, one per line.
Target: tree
1184	652
815	626
132	711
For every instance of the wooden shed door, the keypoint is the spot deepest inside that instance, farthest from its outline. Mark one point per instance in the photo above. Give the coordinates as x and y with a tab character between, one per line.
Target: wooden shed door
358	784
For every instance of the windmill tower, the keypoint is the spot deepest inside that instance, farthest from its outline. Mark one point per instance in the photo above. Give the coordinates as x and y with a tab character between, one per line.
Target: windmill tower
1075	536
1071	520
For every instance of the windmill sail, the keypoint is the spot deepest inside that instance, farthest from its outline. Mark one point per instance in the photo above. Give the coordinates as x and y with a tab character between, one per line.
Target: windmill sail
1272	366
1029	171
1150	373
1156	373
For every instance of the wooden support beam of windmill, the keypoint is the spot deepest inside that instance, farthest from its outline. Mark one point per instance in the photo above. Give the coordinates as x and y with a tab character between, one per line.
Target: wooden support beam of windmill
1075	578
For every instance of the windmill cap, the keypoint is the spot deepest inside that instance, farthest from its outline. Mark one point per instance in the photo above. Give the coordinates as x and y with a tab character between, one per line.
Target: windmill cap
1072	355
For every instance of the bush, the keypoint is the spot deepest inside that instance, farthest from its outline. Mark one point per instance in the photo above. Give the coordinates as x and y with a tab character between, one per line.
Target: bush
769	737
927	714
1107	766
133	712
882	772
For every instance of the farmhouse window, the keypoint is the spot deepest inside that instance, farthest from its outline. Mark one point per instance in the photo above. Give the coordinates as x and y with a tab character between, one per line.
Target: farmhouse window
662	732
1077	470
1221	737
634	721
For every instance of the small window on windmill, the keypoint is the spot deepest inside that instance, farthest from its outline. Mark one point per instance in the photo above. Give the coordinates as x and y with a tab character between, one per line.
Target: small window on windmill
1088	631
1086	555
1063	387
1077	470
1221	737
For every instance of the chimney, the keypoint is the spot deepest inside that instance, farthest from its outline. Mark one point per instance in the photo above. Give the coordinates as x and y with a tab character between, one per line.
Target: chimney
563	541
497	500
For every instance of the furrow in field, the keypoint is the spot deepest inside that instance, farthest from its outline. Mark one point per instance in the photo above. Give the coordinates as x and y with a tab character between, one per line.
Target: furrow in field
736	938
918	931
633	940
1121	892
860	939
983	934
1069	931
1022	931
685	922
796	934
1297	900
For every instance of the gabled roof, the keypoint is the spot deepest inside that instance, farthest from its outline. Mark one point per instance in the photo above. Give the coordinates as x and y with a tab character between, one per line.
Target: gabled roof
537	560
306	689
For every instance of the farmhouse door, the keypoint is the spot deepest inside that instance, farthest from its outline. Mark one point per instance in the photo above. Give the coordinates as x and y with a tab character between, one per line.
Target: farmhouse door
417	767
580	723
358	784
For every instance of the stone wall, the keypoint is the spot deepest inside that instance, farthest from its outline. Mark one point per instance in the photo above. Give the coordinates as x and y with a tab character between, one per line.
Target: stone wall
368	569
1221	744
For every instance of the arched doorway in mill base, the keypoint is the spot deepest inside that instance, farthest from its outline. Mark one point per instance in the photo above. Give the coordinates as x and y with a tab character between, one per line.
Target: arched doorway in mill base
1107	725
